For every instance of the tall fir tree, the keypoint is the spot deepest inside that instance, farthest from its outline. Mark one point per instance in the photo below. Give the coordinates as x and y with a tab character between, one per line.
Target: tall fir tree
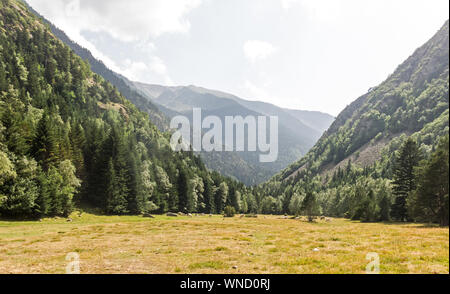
116	203
310	206
183	199
430	201
404	180
44	146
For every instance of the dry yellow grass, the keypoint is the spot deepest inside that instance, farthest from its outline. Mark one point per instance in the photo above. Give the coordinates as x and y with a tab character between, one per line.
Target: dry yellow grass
215	245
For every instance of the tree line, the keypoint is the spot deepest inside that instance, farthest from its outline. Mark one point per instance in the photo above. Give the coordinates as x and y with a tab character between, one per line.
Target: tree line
412	185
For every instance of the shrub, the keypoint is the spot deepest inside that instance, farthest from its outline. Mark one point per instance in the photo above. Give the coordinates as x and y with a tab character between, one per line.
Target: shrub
229	211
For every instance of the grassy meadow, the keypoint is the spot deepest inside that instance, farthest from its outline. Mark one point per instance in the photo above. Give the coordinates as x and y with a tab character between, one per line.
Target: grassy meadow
204	244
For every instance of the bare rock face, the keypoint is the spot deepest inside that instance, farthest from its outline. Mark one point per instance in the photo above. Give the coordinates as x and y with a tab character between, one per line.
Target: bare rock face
172	214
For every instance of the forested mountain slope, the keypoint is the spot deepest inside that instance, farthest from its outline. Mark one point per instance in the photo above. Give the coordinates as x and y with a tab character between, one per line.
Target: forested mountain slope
386	155
414	99
67	136
124	86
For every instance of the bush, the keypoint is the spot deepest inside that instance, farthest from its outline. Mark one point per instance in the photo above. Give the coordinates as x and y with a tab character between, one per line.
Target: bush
229	211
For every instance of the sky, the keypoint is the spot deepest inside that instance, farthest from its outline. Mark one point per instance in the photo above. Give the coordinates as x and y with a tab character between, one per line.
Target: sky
301	54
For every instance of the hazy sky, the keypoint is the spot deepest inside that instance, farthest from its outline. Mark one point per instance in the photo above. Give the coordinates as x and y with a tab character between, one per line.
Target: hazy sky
303	54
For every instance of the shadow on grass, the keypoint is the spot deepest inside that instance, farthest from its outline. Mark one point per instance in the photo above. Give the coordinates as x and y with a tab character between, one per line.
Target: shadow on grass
87	208
17	220
79	209
415	225
404	224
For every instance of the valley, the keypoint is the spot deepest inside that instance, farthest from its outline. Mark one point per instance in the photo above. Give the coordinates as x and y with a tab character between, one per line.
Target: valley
88	170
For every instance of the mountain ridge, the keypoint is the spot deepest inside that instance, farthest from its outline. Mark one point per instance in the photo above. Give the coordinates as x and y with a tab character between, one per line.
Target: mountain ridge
295	137
428	63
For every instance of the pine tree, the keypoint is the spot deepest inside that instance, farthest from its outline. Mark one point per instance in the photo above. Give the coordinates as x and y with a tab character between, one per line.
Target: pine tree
221	197
122	176
209	195
134	199
33	81
116	203
78	140
385	208
404	179
182	190
44	147
43	200
310	206
430	201
3	79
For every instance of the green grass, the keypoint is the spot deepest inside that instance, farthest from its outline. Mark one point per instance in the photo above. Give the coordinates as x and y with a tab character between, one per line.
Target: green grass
133	244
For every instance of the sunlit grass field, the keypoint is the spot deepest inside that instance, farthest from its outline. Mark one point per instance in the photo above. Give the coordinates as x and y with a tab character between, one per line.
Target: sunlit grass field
204	244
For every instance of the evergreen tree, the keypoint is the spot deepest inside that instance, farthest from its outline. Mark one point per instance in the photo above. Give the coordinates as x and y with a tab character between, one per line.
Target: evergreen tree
33	84
385	208
404	179
44	147
116	203
134	198
430	201
78	140
210	206
310	206
3	79
182	190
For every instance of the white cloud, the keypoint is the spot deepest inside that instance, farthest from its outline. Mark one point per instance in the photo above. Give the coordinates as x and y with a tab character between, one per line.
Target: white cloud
155	71
258	50
158	66
133	21
136	71
130	20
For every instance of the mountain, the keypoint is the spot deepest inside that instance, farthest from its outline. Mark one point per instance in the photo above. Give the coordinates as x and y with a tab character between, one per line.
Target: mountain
68	137
356	168
412	101
314	119
295	135
124	86
299	131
